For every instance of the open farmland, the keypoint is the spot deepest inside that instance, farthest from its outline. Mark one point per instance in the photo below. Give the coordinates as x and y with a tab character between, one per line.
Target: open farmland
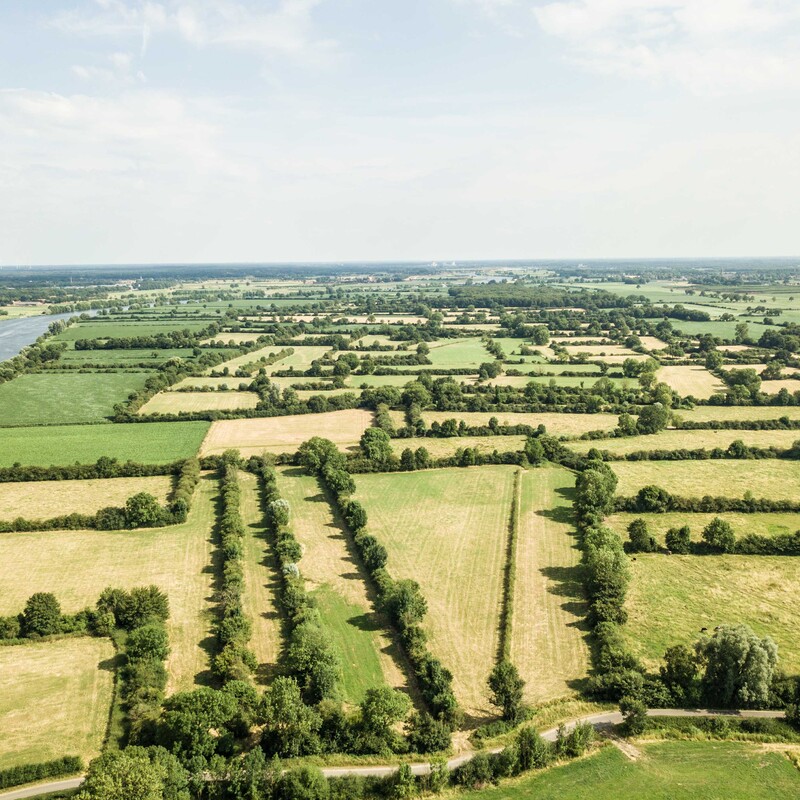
769	478
77	565
125	358
458	354
114	329
300	359
45	499
444	448
722	413
549	631
671	598
286	434
556	424
66	687
189	402
696	381
448	529
43	399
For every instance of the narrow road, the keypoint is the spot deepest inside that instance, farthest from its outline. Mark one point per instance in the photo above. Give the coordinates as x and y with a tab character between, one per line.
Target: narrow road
599	721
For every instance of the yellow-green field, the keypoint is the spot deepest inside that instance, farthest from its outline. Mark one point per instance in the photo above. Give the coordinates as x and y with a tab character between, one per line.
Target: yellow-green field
722	413
444	448
301	358
448	530
770	478
45	499
77	565
548	643
189	402
248	358
54	699
556	424
691	380
671	598
286	434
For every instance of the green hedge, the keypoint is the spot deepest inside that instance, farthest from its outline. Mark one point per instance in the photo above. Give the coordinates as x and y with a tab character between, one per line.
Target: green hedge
28	773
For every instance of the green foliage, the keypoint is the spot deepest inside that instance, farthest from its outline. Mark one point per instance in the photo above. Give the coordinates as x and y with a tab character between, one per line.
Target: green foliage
679	540
640	539
292	727
719	535
149	641
506	688
653	418
28	773
42	615
302	783
634	713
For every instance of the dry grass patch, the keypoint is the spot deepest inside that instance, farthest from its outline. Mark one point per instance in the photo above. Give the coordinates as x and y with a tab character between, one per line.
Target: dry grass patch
690	380
444	448
548	643
237	337
556	424
722	413
773	387
189	402
286	434
54	699
46	499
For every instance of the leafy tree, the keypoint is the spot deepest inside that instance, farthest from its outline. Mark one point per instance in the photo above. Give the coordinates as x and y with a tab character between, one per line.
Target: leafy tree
714	360
143	511
679	540
279	512
679	674
634	713
653	418
405	603
302	783
376	445
149	641
312	658
653	499
381	708
407	461
640	539
292	727
533	752
415	393
627	425
428	735
317	452
534	451
719	535
506	687
42	615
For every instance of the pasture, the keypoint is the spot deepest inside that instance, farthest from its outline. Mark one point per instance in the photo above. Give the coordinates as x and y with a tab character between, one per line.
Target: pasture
300	359
556	424
77	565
448	530
670	598
190	402
458	353
50	399
691	380
65	687
249	358
153	443
286	434
114	328
549	632
125	358
444	448
45	499
739	413
769	478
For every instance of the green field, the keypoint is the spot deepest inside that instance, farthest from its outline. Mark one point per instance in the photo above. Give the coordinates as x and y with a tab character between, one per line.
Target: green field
458	354
119	329
664	771
555	423
50	399
121	358
151	443
711	413
444	448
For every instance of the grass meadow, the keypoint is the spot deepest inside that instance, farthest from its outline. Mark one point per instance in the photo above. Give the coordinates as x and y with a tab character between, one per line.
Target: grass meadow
123	358
113	329
189	402
444	448
458	353
722	413
556	424
691	380
448	530
153	443
65	688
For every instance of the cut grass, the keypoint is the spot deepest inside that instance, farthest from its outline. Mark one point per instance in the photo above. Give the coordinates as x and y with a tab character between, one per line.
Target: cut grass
300	359
548	643
286	434
444	448
738	413
691	380
152	443
447	529
77	565
771	478
53	398
458	353
189	402
113	329
556	424
45	499
671	598
54	699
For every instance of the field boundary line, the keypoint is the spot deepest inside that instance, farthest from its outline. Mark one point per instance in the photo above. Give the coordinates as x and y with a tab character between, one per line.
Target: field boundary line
510	573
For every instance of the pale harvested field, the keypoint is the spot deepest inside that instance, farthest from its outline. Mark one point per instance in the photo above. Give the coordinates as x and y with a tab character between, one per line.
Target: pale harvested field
54	699
444	448
370	657
773	387
769	478
176	402
77	565
689	440
690	380
248	358
46	499
556	424
595	350
261	582
237	337
548	642
652	343
200	382
286	434
448	530
721	413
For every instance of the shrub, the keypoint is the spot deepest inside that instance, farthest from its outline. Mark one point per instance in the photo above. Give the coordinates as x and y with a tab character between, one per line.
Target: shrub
679	540
719	535
42	615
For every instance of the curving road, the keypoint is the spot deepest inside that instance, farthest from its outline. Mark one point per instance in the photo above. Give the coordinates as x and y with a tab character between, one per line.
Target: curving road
602	720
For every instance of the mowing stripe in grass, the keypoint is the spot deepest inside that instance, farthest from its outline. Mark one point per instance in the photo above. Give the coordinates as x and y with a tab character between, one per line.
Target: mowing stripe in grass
509	576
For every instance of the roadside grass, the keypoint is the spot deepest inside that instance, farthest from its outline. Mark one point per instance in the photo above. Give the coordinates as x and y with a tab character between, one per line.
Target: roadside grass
53	398
177	402
54	699
77	565
771	478
556	424
46	499
444	448
447	529
151	443
671	598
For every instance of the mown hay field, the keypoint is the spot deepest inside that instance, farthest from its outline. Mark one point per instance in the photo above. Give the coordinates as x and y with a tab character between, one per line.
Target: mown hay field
458	353
670	598
549	630
77	565
334	578
769	478
45	499
556	424
65	687
738	413
189	402
448	530
691	380
49	399
237	337
444	448
773	387
153	443
300	359
286	434
248	358
113	329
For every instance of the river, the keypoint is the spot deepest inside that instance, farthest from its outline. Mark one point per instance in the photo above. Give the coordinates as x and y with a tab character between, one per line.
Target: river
22	331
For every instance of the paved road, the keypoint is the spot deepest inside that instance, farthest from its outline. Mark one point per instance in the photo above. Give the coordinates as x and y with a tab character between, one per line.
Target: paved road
602	720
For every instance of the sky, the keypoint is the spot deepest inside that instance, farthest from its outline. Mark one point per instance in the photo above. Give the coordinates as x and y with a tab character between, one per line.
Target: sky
166	131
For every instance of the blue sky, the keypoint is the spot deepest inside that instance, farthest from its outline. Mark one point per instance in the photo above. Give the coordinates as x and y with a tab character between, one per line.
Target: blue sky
227	130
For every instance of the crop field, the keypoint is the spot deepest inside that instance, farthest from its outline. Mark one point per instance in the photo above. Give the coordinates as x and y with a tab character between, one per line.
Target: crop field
45	499
118	329
66	687
458	353
43	399
549	630
671	598
448	530
177	402
444	448
722	413
556	424
682	770
689	440
691	380
332	575
77	565
286	434
123	358
357	381
769	478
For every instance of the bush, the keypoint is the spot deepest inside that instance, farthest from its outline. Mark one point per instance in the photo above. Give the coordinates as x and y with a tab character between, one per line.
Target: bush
679	540
42	615
719	536
640	539
149	641
28	773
